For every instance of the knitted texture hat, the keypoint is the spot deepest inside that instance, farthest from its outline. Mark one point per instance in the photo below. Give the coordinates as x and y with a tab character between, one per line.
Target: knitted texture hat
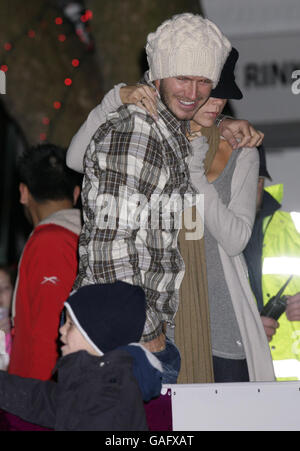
187	45
108	315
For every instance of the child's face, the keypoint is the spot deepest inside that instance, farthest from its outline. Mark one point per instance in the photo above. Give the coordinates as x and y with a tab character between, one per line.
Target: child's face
73	340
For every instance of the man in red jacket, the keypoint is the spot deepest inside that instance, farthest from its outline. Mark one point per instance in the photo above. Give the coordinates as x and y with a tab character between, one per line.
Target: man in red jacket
48	265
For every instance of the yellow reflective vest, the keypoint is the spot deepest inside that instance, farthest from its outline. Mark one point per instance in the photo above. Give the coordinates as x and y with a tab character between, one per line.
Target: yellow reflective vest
280	259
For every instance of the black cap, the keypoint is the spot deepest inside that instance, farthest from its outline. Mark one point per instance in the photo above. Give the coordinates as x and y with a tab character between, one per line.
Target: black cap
263	171
109	315
227	87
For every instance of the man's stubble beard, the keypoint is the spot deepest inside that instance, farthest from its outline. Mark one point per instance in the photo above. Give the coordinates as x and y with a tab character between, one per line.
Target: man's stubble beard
163	96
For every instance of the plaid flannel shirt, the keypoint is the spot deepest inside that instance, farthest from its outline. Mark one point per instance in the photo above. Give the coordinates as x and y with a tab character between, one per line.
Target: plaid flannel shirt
129	155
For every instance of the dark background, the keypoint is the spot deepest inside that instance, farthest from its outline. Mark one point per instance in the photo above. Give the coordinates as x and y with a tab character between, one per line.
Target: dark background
58	67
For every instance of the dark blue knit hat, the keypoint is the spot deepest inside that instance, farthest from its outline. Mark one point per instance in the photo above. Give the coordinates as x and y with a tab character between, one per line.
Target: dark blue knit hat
108	315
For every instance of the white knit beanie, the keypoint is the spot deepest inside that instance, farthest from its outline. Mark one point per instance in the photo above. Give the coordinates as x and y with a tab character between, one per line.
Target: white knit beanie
187	45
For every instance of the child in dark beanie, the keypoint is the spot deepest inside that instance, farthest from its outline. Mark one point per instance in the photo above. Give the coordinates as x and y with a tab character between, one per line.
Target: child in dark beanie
103	376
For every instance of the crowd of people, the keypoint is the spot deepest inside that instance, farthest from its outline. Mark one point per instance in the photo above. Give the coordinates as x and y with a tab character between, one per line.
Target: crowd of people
139	293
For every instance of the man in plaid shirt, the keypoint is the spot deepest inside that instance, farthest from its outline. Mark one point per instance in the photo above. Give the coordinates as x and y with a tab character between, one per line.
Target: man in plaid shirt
134	163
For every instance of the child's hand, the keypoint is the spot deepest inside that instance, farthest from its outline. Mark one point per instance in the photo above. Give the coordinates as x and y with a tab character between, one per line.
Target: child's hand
142	95
157	344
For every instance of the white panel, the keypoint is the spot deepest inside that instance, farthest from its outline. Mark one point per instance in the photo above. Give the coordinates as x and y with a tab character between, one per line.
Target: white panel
267	35
236	406
264	74
245	17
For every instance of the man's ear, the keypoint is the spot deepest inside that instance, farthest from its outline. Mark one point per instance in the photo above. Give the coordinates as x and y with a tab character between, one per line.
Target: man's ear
157	84
76	194
24	193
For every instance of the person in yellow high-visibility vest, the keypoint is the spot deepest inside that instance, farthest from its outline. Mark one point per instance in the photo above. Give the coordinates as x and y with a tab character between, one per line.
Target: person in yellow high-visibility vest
272	255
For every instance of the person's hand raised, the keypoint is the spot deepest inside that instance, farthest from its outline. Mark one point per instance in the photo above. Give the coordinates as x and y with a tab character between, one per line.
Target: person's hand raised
142	95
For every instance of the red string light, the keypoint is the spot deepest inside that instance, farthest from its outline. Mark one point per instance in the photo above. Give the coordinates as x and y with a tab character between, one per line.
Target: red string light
68	81
88	15
62	37
75	62
57	105
31	33
7	46
43	136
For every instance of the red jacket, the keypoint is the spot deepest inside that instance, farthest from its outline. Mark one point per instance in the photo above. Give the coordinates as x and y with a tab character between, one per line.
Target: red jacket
47	271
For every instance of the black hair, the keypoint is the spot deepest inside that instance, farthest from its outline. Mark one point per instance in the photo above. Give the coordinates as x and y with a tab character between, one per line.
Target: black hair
43	170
